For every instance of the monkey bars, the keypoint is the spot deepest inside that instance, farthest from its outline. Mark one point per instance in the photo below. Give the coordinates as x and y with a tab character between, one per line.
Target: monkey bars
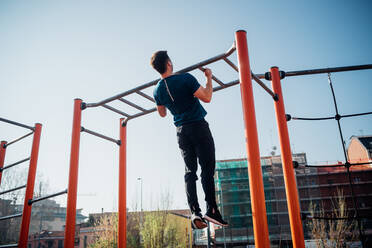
28	201
254	165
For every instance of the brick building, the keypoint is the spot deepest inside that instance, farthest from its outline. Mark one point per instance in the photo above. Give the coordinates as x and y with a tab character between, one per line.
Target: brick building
316	186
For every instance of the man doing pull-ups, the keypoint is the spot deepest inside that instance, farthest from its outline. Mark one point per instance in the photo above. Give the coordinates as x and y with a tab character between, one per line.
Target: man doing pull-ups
180	94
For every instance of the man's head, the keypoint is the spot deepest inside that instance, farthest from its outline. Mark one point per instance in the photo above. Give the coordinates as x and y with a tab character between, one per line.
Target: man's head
161	62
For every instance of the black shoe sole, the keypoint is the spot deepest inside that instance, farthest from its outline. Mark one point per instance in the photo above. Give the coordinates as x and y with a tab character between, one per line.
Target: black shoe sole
214	221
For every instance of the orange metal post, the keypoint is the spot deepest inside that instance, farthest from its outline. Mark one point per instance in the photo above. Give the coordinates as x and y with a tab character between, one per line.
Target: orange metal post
73	177
288	171
26	216
261	233
2	156
122	229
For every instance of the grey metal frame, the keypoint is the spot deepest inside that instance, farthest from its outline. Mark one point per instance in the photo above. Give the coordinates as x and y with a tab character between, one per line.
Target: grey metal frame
139	90
200	66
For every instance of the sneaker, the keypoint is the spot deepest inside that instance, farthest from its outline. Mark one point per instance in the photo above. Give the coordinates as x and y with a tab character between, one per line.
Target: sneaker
197	221
214	216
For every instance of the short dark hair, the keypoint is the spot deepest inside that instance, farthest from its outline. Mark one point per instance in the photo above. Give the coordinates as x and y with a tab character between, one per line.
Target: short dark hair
159	61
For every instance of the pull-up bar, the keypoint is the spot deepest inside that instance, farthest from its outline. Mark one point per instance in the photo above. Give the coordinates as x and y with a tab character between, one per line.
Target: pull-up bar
318	71
83	129
258	198
14	164
154	82
254	168
17	124
26	214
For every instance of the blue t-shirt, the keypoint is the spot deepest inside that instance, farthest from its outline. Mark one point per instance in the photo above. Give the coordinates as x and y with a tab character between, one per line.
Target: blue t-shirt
179	98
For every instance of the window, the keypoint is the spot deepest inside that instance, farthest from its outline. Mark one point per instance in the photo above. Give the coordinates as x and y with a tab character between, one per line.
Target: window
60	243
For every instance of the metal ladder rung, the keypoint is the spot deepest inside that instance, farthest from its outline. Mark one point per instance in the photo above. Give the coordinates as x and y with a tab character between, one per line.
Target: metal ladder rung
213	77
231	64
145	96
14	164
11	190
132	104
10	216
83	129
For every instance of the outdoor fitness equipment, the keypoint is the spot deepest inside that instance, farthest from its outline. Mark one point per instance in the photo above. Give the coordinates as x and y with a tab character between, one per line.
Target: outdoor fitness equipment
259	217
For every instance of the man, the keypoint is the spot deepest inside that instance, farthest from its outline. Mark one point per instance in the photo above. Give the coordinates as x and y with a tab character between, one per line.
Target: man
180	94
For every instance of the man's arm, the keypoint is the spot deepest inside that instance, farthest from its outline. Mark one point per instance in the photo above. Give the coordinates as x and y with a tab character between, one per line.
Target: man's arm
161	110
205	93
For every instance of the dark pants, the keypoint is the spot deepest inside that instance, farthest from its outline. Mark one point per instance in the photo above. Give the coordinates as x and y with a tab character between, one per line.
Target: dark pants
196	144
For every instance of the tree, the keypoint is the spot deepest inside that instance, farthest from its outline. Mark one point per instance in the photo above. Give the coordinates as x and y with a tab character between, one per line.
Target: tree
106	230
160	228
337	229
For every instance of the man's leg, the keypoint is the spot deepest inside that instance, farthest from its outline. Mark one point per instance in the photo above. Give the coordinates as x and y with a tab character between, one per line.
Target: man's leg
189	156
205	151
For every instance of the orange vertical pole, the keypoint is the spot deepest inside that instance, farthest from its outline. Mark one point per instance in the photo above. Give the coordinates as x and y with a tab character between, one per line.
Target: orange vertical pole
2	157
26	216
122	222
288	171
261	233
73	177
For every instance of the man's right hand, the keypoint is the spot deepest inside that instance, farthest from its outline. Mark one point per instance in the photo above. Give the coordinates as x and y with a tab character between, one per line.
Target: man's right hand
208	73
205	94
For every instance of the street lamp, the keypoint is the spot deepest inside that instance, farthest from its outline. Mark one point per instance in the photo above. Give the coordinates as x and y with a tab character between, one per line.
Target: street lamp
140	179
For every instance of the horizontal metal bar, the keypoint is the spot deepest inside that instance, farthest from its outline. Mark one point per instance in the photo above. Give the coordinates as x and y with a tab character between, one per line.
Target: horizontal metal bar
360	114
31	201
11	190
356	164
20	138
329	118
14	164
213	77
115	110
208	61
328	70
132	104
227	85
337	218
17	124
11	216
146	96
152	83
323	70
83	129
263	85
9	245
231	64
141	114
312	119
323	166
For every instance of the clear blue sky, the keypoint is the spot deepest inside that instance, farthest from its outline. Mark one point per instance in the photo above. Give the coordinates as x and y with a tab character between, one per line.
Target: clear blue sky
54	51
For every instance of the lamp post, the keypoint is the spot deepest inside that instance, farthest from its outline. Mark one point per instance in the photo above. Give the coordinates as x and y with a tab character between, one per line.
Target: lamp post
223	228
141	217
140	179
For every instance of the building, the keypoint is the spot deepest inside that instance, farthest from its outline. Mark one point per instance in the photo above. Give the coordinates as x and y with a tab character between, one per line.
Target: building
360	149
49	215
46	239
316	186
